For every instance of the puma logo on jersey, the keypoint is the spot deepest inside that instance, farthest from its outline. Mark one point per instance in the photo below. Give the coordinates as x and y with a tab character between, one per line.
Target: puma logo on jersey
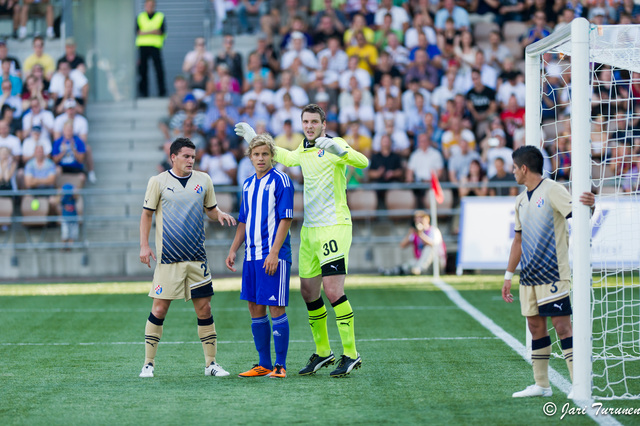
555	305
334	267
171	189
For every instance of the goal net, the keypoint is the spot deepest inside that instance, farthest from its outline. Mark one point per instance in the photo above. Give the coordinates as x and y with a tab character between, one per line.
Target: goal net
583	110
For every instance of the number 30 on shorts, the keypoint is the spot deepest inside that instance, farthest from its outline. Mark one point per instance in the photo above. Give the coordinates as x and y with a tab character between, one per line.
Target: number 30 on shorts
330	247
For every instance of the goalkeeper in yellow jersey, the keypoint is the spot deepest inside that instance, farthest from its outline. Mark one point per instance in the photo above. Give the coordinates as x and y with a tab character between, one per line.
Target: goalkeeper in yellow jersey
325	237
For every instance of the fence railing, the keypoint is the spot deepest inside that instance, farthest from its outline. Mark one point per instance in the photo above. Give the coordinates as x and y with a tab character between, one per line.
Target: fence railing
15	224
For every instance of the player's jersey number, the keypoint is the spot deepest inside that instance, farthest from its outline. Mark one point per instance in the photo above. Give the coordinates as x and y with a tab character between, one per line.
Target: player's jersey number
330	247
205	266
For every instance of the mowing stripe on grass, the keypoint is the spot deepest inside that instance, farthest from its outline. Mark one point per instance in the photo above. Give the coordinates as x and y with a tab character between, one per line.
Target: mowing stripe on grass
396	339
554	377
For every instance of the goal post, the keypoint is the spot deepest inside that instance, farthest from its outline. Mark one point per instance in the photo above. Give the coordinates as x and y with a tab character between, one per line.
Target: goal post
577	48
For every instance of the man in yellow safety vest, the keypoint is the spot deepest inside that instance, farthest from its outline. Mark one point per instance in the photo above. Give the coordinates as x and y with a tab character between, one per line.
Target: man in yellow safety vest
150	35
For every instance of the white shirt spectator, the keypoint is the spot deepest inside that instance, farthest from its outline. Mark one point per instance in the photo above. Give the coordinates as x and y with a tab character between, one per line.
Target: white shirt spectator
363	77
345	99
217	166
330	77
507	89
409	99
398	117
459	163
460	84
399	17
306	56
245	170
13	143
57	83
411	36
422	163
80	125
349	113
440	96
264	100
381	94
29	145
15	102
399	139
43	119
337	62
279	117
399	55
299	97
498	152
501	53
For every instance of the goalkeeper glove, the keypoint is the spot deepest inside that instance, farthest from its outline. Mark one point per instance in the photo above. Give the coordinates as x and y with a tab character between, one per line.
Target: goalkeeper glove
331	146
244	130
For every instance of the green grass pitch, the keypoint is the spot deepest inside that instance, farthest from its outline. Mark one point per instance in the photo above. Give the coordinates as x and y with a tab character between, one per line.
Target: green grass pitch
71	354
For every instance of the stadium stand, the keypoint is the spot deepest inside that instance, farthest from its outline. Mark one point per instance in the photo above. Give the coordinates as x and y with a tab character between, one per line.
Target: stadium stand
125	141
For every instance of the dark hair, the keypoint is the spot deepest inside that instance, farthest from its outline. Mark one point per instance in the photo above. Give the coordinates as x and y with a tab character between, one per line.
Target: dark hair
529	156
314	109
180	143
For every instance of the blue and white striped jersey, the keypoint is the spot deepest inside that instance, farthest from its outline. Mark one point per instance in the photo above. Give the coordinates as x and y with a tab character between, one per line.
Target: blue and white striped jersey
179	204
265	202
541	216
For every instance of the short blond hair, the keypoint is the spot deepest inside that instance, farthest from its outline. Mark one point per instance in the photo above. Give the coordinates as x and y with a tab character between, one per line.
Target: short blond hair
260	140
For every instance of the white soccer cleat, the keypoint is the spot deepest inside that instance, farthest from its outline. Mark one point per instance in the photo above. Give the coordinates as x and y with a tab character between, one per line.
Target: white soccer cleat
215	370
533	390
147	371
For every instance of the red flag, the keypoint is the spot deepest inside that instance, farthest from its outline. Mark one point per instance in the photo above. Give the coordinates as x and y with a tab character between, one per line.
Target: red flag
436	188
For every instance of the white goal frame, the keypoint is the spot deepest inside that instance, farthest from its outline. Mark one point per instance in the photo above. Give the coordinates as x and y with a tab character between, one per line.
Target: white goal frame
577	34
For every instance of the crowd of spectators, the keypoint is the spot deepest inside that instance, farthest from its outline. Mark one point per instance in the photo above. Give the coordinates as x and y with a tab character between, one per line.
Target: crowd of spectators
404	82
43	133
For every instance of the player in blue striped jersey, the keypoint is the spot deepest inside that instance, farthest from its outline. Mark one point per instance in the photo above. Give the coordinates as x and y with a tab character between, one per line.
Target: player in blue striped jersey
541	246
265	217
180	199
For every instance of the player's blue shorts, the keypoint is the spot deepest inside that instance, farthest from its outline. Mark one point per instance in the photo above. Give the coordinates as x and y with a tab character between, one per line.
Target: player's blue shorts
263	289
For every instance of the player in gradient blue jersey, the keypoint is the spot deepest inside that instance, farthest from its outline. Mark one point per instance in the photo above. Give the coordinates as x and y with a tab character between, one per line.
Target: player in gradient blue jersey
263	224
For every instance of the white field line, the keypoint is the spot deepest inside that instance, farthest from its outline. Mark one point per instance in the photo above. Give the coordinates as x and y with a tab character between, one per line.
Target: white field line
555	378
397	339
214	309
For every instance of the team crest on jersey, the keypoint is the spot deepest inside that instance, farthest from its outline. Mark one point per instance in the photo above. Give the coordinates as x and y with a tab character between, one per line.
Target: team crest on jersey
198	189
158	289
540	202
321	153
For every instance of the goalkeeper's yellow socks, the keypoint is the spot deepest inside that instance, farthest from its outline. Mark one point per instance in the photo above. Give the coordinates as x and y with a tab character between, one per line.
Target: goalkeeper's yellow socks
540	351
318	324
345	320
567	350
209	339
152	335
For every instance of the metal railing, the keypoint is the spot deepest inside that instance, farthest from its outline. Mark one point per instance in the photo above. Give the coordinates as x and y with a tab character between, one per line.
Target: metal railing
130	217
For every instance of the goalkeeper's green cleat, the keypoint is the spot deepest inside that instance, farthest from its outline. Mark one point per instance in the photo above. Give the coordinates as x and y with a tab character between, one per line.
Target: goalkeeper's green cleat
346	365
316	362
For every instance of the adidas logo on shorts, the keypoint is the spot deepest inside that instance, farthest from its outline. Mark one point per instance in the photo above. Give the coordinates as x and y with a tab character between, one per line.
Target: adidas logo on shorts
272	298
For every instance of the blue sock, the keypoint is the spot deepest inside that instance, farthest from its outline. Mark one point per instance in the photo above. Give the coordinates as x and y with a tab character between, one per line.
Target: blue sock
261	329
281	338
